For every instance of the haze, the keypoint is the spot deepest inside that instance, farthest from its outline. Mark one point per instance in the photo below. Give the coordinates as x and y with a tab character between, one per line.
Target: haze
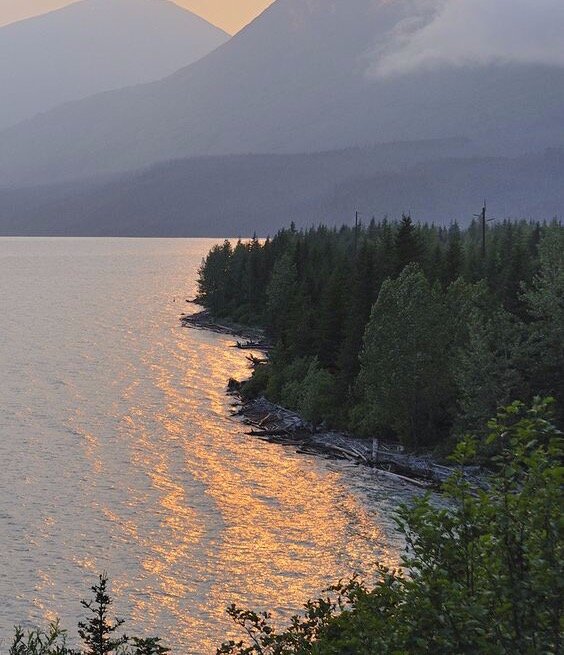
315	108
231	15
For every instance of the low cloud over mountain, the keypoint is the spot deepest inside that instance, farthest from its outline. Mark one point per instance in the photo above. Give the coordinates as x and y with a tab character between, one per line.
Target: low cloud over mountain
306	77
442	33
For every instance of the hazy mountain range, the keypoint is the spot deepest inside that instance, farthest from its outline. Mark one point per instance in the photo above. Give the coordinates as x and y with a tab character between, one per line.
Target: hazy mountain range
181	155
93	46
241	194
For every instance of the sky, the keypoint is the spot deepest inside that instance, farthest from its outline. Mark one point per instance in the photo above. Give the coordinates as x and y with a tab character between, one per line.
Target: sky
231	15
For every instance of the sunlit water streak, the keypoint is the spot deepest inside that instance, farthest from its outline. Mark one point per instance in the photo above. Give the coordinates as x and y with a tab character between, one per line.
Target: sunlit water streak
118	453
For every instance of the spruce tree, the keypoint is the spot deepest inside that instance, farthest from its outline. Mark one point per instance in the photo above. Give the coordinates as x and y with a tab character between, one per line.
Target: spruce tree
407	244
454	256
544	302
98	631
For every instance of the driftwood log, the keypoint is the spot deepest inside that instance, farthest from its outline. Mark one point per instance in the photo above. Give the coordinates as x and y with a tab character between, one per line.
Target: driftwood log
275	424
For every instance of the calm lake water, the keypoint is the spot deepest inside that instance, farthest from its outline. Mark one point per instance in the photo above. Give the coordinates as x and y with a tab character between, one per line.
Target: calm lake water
118	454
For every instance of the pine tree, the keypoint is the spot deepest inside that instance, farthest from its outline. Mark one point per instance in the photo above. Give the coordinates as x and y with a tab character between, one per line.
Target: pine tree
97	632
544	302
214	279
407	244
280	292
331	316
314	290
454	256
487	367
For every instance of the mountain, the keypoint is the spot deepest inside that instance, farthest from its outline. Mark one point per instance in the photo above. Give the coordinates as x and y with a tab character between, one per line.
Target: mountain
93	46
303	77
243	194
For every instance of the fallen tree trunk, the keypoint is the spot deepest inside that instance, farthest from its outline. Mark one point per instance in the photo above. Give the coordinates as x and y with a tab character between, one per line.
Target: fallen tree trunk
278	425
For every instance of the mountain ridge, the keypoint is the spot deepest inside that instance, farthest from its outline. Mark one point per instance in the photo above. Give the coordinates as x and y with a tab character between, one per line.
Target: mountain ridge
94	46
297	79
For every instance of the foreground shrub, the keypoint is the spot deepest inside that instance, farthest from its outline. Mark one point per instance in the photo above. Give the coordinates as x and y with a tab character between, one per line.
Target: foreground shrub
484	576
98	633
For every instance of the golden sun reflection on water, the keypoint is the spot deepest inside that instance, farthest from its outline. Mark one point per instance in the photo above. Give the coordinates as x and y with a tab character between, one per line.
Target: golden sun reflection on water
121	456
289	527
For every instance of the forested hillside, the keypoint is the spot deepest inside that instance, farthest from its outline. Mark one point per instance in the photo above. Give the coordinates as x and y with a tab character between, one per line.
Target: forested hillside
242	194
410	332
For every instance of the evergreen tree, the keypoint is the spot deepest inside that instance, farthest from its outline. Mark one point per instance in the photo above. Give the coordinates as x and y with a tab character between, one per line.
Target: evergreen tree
454	257
280	292
214	279
407	245
331	317
98	631
544	301
313	292
487	368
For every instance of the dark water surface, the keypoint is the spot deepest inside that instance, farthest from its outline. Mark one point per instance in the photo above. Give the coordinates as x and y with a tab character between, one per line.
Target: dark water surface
118	453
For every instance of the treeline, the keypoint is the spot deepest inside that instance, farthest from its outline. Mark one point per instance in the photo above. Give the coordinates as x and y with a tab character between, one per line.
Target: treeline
411	332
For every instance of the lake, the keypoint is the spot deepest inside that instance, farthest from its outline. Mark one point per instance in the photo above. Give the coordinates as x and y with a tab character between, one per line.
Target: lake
118	453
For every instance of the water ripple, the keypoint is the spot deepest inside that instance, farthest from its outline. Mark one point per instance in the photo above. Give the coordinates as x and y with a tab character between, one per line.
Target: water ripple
118	454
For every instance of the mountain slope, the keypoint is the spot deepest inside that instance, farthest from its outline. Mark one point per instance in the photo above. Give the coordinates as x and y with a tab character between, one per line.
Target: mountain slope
299	78
93	46
240	195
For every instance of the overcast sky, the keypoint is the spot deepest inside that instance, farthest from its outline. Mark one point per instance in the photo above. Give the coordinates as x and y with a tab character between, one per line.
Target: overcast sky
231	15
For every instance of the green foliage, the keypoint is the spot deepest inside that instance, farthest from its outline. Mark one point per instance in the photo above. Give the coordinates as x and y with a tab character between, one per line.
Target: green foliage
405	378
148	646
482	575
256	385
488	367
281	289
423	358
316	393
264	639
544	304
408	244
98	633
53	641
215	278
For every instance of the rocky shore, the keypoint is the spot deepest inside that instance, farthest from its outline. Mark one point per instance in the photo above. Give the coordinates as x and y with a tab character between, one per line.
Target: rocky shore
275	424
204	320
272	423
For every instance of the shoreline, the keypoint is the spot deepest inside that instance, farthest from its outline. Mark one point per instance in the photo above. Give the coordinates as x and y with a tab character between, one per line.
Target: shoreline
203	320
276	424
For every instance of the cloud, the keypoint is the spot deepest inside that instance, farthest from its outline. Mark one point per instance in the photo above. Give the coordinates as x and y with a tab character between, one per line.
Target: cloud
441	33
